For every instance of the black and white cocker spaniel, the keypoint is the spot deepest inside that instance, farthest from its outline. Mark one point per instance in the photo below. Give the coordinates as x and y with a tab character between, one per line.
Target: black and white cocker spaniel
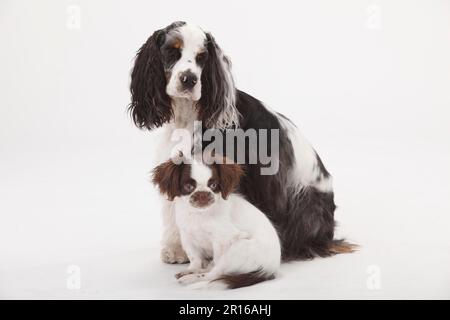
181	75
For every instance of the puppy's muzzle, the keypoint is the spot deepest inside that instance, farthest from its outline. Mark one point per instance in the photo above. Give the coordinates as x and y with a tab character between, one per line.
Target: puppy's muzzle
201	199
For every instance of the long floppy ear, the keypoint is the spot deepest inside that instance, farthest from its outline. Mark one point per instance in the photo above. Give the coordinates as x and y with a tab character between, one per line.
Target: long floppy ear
229	175
150	105
167	177
218	100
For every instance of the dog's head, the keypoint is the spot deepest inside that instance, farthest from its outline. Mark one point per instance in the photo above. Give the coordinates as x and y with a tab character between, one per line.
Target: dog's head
200	185
182	61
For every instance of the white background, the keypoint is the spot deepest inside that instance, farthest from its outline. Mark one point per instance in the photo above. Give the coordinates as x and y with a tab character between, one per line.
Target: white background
367	81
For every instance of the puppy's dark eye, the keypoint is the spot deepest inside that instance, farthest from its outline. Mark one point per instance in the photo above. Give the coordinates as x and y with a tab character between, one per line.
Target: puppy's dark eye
213	186
188	188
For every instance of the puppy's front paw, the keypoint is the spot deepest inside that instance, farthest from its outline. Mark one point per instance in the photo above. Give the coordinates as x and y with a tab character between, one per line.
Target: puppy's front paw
191	278
174	254
183	273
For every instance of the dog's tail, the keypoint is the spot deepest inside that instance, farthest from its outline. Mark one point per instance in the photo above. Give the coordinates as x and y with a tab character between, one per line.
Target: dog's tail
338	246
234	281
323	250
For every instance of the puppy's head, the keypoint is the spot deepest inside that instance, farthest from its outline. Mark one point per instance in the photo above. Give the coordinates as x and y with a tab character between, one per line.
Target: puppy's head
199	185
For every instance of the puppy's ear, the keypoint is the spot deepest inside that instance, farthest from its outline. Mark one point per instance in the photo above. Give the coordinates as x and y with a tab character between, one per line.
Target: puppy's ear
217	102
167	177
229	175
150	105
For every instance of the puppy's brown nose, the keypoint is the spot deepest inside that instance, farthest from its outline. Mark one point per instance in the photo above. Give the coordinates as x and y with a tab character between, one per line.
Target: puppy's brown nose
201	199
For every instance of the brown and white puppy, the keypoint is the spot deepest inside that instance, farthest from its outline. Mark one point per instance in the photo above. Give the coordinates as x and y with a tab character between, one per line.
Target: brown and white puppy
230	243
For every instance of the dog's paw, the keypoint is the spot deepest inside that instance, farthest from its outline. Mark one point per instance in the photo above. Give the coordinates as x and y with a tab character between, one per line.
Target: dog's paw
191	278
183	273
174	254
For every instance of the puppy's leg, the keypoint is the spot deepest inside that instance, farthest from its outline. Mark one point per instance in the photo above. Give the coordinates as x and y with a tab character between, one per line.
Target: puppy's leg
213	270
172	251
197	262
192	271
208	274
220	247
194	267
193	278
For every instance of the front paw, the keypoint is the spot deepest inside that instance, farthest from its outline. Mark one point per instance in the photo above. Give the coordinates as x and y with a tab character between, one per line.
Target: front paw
191	278
183	273
174	254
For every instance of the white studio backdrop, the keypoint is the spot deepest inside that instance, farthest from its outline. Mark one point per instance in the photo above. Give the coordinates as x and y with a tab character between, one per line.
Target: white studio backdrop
367	81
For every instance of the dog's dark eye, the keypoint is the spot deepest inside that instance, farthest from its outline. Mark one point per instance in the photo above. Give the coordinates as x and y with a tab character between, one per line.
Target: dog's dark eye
213	186
201	57
188	188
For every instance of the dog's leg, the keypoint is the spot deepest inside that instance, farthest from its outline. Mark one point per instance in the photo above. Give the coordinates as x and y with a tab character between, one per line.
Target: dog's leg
186	272
220	247
203	275
172	251
213	270
197	262
193	278
206	267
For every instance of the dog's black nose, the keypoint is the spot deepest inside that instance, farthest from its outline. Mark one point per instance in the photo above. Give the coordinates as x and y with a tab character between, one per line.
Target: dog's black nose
188	79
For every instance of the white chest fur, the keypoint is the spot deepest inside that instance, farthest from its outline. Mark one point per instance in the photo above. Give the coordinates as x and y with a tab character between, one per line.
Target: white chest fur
209	230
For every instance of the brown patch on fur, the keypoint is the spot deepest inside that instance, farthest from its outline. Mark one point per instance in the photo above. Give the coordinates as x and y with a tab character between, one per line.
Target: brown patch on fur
341	246
229	174
234	281
177	43
170	178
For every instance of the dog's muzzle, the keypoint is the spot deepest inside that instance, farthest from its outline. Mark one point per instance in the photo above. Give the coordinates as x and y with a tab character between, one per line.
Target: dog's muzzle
188	80
201	199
